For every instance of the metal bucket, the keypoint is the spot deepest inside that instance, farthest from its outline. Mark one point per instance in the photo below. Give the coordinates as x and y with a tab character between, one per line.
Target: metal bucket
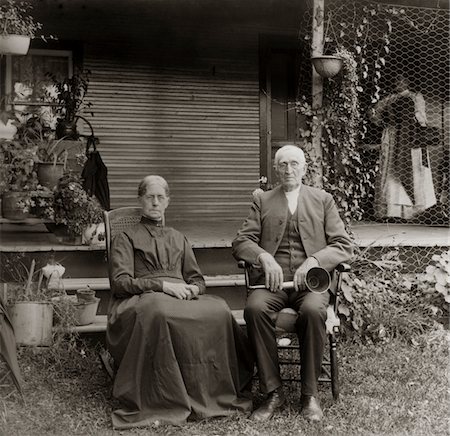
32	322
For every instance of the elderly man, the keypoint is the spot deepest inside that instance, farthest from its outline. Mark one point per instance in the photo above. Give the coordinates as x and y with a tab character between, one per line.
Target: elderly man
290	230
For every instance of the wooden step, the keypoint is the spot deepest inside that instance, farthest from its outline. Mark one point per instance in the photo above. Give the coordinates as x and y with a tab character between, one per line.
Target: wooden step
99	324
102	283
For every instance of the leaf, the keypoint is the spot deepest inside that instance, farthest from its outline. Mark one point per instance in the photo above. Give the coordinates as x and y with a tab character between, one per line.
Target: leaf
441	289
344	310
430	269
347	291
441	277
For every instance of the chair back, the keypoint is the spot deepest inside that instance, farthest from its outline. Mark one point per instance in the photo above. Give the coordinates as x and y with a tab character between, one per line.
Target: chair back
119	220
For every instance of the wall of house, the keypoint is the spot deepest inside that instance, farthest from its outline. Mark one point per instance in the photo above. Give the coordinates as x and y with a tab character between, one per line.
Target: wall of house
175	92
196	124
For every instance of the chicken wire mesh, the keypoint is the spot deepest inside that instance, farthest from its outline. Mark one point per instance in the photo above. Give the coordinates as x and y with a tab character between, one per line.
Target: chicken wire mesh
402	56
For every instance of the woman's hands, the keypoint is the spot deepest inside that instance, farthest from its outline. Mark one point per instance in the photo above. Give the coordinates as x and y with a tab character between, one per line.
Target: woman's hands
182	291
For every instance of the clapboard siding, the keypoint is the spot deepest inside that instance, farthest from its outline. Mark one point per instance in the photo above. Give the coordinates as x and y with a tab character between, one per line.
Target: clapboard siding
197	129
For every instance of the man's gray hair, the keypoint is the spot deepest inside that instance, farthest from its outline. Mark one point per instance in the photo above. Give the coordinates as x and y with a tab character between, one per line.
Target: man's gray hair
152	180
289	147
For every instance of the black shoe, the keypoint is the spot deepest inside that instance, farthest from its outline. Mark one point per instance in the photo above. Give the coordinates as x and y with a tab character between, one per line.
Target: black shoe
274	401
311	409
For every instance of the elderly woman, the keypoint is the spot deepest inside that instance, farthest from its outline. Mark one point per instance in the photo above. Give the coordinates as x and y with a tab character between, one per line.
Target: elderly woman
179	353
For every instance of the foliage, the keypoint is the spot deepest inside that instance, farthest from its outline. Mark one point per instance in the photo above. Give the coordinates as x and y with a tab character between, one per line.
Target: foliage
71	93
15	19
69	205
435	281
18	159
381	303
35	132
25	279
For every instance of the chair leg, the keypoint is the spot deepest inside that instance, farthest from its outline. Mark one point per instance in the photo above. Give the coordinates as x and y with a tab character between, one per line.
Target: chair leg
334	367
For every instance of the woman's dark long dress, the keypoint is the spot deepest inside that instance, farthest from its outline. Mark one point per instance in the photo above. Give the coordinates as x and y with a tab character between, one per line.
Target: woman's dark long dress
177	359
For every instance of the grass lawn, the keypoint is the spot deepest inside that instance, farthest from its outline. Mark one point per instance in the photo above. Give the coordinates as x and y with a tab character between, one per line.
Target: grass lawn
390	389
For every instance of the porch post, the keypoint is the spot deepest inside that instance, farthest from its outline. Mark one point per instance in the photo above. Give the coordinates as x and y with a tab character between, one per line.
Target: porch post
317	84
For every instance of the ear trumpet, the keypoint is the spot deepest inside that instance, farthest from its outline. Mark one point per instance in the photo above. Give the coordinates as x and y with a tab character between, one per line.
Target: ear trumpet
317	280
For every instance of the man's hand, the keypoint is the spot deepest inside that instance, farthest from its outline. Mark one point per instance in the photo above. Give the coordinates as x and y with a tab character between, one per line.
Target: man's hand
302	270
182	291
273	272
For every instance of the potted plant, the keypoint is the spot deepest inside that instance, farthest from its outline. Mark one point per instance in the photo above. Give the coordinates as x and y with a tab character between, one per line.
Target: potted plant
71	93
17	27
28	301
69	208
51	157
18	176
327	65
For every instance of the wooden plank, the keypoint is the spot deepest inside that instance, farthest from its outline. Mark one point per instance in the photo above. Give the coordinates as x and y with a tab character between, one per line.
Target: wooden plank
102	283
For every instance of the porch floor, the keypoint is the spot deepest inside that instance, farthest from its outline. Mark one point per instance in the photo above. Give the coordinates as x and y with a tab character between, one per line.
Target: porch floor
34	237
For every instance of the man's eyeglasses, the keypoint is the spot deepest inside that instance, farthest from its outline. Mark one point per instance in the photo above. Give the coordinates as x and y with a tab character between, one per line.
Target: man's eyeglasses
293	164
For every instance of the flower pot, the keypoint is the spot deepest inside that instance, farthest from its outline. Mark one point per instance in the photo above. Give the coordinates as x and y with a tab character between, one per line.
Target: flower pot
14	44
94	234
49	173
83	312
32	322
85	295
10	208
327	66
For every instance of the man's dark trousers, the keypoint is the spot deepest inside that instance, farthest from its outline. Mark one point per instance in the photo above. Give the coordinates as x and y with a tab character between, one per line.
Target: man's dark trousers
260	312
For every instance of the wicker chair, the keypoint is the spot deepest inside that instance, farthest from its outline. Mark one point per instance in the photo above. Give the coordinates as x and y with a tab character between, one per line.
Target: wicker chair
116	221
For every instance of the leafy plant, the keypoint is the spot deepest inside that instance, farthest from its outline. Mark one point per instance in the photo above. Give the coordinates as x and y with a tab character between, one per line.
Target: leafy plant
25	279
18	159
35	132
435	281
380	302
15	19
71	94
343	175
347	98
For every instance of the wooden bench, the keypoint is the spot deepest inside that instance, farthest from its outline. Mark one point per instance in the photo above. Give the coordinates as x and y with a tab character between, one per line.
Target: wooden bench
102	284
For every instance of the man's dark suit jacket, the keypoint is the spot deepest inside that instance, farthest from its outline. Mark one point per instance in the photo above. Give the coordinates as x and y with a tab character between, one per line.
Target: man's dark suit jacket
321	229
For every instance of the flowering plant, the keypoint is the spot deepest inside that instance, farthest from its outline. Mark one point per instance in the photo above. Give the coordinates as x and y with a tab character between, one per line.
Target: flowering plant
69	205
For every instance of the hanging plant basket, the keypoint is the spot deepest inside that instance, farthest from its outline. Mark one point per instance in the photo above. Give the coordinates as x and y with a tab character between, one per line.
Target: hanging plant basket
326	65
14	44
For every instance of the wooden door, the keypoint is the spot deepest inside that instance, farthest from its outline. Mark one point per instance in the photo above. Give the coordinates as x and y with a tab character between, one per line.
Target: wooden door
279	80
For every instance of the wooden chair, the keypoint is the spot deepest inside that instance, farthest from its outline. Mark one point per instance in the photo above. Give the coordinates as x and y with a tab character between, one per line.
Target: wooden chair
285	325
116	221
